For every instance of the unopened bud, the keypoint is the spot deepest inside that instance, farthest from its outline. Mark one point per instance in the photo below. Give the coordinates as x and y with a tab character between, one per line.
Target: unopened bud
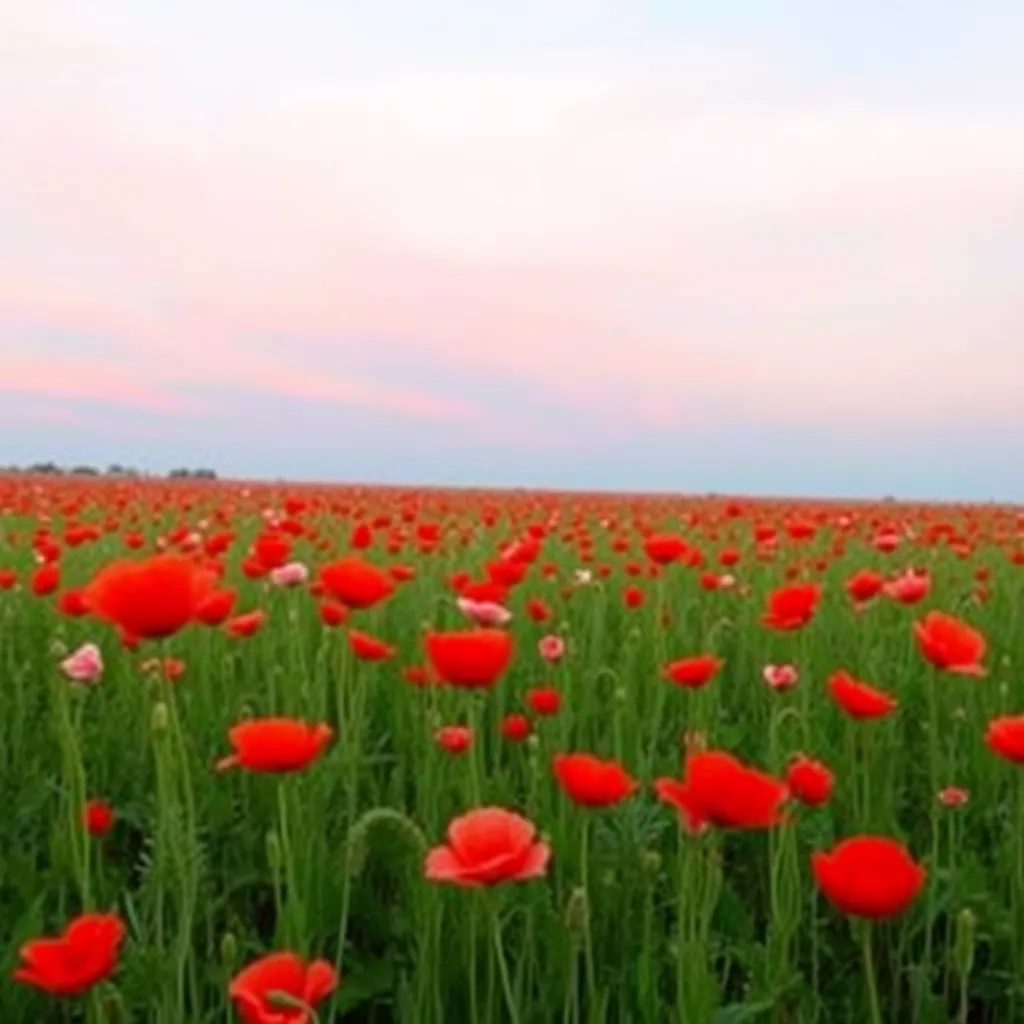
963	943
228	949
160	718
650	861
273	844
577	913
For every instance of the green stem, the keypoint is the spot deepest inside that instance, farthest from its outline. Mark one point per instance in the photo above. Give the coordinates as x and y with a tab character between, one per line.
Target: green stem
506	983
869	974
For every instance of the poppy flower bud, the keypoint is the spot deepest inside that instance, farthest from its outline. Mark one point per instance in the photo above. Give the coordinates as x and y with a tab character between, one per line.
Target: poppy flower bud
357	849
273	845
964	942
159	719
650	861
577	913
228	949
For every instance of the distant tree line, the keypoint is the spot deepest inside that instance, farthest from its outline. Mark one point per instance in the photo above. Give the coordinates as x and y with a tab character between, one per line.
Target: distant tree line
115	469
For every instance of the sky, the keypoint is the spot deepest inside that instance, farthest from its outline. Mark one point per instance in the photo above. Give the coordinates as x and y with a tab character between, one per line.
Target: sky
755	247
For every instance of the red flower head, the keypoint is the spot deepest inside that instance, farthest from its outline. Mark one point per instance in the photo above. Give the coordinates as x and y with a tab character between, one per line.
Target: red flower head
592	781
544	700
98	818
151	599
809	781
45	580
275	745
950	645
84	955
663	548
487	846
718	789
516	727
454	739
857	699
471	658
793	606
356	583
864	585
245	625
692	672
215	607
369	648
868	876
275	988
1005	737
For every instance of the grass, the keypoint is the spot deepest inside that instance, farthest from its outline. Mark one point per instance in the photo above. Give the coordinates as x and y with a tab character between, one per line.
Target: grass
636	920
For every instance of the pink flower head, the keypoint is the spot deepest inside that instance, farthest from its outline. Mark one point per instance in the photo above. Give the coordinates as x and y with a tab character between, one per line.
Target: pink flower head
84	666
484	613
551	648
291	574
909	588
781	677
294	574
953	796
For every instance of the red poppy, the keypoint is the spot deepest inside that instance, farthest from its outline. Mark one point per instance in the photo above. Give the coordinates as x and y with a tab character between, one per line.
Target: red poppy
332	613
454	739
692	672
246	625
951	645
151	599
865	585
272	550
356	583
8	578
516	727
275	745
809	781
868	876
663	548
45	580
909	588
98	818
1005	737
83	955
72	604
953	796
369	648
215	607
792	607
718	789
591	781
256	990
470	658
857	699
544	700
487	846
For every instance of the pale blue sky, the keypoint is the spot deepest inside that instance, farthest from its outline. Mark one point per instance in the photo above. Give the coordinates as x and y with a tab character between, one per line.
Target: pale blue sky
696	246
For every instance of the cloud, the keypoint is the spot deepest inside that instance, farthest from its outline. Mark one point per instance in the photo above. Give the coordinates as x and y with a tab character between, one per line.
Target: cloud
653	229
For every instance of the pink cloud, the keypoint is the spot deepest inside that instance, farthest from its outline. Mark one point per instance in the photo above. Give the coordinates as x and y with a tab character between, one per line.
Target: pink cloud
68	380
792	263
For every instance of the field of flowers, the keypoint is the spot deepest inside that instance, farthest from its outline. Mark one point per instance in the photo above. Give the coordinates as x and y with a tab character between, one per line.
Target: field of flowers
287	755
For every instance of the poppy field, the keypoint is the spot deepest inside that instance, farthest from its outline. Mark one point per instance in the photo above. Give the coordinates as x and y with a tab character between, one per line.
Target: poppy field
283	755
